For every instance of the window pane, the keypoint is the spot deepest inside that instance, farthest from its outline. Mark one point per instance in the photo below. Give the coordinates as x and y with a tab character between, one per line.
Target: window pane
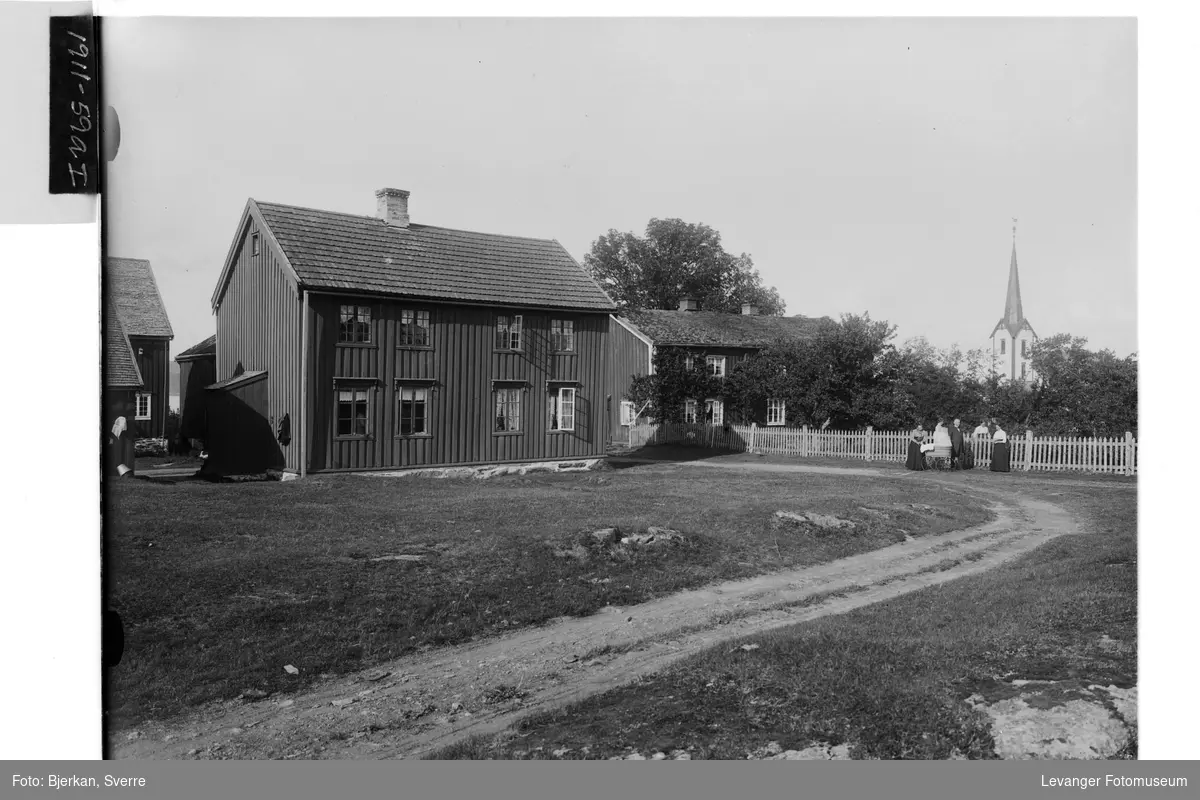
347	313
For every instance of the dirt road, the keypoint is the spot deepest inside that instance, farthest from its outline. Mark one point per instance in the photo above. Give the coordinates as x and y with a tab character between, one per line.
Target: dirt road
419	703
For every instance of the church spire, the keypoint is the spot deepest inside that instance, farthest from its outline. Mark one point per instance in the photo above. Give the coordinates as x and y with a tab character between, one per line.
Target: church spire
1014	315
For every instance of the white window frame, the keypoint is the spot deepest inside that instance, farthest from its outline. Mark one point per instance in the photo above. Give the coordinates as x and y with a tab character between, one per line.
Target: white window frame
627	415
254	246
412	388
690	409
509	326
562	335
689	363
778	409
558	401
138	399
513	397
715	366
718	411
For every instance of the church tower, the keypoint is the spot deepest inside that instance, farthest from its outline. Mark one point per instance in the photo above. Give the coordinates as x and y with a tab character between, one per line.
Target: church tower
1013	336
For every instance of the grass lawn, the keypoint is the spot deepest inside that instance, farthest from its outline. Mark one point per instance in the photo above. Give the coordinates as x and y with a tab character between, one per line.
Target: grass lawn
222	585
889	680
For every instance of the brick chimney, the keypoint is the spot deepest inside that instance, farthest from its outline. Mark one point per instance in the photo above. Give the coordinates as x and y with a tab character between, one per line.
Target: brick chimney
688	303
392	206
749	309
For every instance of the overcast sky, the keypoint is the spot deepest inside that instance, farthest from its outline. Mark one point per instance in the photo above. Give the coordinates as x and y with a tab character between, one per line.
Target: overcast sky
865	165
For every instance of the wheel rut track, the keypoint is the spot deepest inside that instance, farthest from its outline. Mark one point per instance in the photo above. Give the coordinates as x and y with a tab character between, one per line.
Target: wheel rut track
405	714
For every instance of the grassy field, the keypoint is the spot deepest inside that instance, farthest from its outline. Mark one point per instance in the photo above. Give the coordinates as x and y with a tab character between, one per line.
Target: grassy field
222	585
889	680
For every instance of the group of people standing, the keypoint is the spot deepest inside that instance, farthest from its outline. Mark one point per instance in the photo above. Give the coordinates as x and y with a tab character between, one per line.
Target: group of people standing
953	441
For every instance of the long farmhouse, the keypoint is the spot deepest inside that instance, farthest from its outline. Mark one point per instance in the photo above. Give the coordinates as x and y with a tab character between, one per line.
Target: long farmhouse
716	339
350	342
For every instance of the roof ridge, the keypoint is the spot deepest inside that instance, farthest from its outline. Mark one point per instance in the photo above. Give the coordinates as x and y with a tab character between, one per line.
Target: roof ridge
411	225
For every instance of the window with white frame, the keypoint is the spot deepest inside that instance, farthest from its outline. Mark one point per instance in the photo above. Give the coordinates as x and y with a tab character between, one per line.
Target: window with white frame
508	331
1001	347
776	411
355	324
1024	348
627	412
254	244
689	411
562	409
715	366
562	335
508	409
412	416
142	406
1022	370
689	363
353	411
414	328
714	412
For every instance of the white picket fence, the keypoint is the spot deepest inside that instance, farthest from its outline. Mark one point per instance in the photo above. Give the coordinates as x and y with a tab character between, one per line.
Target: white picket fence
1117	456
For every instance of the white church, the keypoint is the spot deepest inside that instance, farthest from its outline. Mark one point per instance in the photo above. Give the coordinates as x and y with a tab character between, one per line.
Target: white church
1013	336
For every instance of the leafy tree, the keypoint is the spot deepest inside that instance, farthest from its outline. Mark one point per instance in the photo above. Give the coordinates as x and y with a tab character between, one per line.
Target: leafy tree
1080	392
673	260
666	392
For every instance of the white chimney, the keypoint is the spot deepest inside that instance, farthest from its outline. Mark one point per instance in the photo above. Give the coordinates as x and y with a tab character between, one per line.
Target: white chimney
689	304
392	206
749	310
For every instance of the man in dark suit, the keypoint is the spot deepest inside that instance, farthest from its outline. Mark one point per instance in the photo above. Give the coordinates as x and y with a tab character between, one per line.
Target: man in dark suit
956	444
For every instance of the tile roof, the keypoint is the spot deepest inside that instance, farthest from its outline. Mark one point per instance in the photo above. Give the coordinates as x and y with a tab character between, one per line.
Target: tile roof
134	292
330	250
714	328
120	365
206	348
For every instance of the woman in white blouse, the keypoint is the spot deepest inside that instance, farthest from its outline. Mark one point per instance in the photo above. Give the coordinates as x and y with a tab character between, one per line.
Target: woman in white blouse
1000	455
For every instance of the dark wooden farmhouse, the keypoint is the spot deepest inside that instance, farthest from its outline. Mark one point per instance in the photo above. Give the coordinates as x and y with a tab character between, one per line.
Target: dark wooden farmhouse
197	370
134	297
718	339
351	342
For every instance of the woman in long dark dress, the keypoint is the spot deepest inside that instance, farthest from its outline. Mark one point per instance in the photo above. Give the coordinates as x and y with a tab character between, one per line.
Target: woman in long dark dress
916	459
999	449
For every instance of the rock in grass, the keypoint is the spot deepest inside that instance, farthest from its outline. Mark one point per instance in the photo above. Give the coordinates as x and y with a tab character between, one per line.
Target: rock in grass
823	521
253	694
290	670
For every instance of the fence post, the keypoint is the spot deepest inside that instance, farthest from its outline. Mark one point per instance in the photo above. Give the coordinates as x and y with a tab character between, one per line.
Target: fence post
1128	453
870	436
1028	450
753	430
804	441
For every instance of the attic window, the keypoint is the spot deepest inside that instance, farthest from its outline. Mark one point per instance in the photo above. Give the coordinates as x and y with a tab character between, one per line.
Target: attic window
254	244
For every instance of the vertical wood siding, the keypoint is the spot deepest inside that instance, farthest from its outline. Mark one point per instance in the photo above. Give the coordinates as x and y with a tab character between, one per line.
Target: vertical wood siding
627	356
258	325
458	368
153	361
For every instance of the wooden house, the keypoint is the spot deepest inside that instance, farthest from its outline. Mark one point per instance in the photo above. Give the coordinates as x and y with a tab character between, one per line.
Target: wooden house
122	386
134	297
197	371
349	342
718	339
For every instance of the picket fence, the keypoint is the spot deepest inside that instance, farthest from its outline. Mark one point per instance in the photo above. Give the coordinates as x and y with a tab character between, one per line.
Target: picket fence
1117	456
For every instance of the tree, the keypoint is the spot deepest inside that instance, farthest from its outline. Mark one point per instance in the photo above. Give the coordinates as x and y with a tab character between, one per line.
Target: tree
664	394
1080	392
673	260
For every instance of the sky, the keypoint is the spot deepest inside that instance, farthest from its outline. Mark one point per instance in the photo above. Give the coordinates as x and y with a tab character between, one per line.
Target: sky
864	164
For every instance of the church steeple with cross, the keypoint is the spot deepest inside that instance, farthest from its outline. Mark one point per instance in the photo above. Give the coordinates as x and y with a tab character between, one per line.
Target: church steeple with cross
1013	336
